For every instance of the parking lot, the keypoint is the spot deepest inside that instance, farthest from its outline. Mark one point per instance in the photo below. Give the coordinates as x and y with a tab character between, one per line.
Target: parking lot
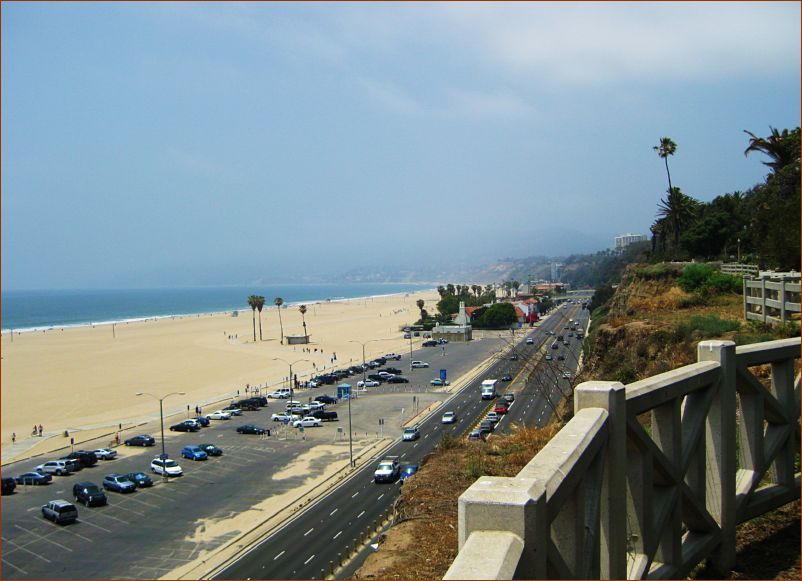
152	531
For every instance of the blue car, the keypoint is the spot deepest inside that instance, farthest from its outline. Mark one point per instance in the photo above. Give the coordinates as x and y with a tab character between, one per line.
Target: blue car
141	479
33	478
118	483
408	471
193	453
203	421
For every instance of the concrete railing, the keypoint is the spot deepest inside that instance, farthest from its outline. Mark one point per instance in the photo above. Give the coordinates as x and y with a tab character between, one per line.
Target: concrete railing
771	301
645	480
736	268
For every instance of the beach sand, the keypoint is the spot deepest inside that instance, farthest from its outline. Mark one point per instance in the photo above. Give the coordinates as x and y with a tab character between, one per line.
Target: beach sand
84	378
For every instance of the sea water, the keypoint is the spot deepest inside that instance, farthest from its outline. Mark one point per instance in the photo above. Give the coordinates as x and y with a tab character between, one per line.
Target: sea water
24	310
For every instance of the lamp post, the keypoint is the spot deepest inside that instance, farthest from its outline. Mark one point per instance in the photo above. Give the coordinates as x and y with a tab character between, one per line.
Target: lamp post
290	364
161	417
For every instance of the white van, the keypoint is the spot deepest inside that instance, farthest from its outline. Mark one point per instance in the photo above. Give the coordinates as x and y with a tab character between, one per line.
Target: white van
489	388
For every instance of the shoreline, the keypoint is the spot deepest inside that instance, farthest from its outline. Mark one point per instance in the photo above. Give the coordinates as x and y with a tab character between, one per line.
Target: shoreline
146	318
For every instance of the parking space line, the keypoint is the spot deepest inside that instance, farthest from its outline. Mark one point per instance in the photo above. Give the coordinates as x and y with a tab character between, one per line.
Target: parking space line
71	532
43	538
10	564
332	512
121	507
119	520
17	546
151	493
132	499
86	522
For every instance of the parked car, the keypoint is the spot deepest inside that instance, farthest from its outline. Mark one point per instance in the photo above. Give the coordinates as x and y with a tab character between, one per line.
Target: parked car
549	358
285	417
141	440
411	433
506	377
203	421
307	422
185	427
437	382
449	418
211	449
84	458
118	483
57	467
419	364
168	466
324	415
566	375
326	399
394	356
89	493
141	479
233	410
60	511
312	406
486	426
397	379
106	453
407	335
408	471
393	371
385	375
279	395
33	478
193	453
219	415
251	429
514	357
375	377
509	397
560	357
429	343
73	464
9	485
530	341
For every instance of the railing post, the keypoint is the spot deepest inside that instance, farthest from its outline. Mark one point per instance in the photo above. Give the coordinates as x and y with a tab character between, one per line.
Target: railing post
516	505
611	396
720	448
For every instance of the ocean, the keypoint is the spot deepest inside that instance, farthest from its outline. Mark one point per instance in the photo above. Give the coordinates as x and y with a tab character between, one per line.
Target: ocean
43	309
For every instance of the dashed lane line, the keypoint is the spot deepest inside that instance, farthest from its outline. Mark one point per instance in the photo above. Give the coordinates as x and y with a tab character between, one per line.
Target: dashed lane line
309	559
337	535
309	531
332	512
360	514
354	494
277	556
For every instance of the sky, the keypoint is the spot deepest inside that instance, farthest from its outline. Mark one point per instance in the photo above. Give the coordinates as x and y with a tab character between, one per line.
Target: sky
191	144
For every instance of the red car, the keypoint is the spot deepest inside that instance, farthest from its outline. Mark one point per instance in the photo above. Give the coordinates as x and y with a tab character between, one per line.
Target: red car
501	407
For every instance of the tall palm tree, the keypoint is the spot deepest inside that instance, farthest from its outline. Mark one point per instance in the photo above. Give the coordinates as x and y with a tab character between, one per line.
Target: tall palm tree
776	146
278	301
302	310
450	288
441	290
420	303
666	148
253	300
259	306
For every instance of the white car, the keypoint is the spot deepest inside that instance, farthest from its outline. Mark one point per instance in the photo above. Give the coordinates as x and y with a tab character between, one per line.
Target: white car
449	418
219	415
285	417
307	422
394	356
419	364
279	395
385	375
105	453
530	341
439	382
367	383
312	406
57	467
169	467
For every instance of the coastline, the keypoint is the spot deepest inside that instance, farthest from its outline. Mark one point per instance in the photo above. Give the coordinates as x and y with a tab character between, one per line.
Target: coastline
86	377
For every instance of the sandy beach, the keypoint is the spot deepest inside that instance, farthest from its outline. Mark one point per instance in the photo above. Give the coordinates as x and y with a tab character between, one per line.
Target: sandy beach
86	378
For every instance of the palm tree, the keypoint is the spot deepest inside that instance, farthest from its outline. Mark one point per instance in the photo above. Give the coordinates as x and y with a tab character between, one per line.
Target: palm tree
450	288
476	289
667	147
678	210
259	306
777	147
441	290
420	303
278	301
253	300
302	310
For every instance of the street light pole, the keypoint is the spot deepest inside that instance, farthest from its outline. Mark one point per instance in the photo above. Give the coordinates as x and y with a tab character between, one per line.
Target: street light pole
292	383
161	418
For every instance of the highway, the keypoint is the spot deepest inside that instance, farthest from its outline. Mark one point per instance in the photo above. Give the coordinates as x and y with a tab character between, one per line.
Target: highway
314	541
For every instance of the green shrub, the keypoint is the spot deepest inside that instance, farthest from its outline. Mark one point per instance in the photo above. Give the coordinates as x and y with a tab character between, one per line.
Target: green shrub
694	276
694	300
625	375
704	327
724	283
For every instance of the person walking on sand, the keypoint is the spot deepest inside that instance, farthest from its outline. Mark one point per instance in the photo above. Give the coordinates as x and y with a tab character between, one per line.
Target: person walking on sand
13	437
33	433
40	430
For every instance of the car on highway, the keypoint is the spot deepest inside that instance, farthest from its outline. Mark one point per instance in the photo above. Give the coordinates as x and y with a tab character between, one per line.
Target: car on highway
89	493
169	467
477	436
60	511
394	356
449	418
509	397
326	399
407	471
501	407
106	453
367	383
419	364
514	357
251	429
549	358
118	483
57	467
307	422
33	478
566	375
141	479
219	415
493	416
506	377
141	440
284	417
410	434
193	453
560	357
388	470
211	449
397	379
437	382
185	427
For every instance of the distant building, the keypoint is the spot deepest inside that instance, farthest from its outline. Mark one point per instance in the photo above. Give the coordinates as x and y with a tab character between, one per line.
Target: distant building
556	271
625	240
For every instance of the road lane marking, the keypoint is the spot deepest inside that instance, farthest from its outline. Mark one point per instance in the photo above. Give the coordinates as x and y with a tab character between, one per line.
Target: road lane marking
309	531
337	535
354	494
360	514
380	497
277	556
332	512
309	559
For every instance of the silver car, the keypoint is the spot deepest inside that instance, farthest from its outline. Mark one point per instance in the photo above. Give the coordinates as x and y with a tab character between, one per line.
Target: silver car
57	467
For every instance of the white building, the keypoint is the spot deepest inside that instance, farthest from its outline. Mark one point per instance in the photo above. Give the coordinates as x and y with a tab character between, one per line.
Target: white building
625	240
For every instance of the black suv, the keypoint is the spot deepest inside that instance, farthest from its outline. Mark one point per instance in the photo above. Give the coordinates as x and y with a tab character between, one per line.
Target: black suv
324	415
86	459
397	379
246	404
394	370
142	440
89	493
429	343
326	399
9	484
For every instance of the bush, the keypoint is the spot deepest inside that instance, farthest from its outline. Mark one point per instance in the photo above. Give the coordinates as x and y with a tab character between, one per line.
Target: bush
706	280
625	375
724	283
694	277
652	272
705	327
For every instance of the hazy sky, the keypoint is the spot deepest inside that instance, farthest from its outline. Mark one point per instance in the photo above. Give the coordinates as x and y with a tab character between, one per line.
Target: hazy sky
192	144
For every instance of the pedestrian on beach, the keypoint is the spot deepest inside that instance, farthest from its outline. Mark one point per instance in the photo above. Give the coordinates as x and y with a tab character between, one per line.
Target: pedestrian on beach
33	433
13	437
40	430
